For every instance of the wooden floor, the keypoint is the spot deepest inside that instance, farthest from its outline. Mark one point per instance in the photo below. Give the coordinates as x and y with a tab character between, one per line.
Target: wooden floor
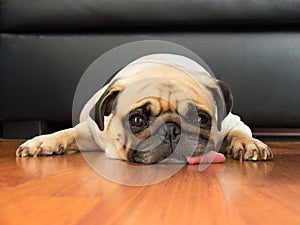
65	190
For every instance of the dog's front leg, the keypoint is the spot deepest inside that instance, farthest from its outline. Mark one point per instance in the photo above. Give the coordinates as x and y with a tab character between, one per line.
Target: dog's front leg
58	142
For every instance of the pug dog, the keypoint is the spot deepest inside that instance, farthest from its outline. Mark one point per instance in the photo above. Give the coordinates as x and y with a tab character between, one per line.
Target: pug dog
160	107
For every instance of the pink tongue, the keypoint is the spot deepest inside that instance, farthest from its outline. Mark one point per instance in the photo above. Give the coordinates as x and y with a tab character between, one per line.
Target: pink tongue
209	157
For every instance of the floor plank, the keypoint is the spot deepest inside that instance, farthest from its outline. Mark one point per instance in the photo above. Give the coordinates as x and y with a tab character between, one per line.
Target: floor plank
65	190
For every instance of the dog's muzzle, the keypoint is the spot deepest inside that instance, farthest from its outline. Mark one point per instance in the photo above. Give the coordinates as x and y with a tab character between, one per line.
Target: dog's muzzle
170	134
165	140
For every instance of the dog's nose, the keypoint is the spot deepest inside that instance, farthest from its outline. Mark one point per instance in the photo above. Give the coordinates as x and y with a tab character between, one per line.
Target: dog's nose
170	133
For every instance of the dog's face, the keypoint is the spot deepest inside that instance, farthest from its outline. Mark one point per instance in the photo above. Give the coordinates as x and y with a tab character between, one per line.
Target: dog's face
158	114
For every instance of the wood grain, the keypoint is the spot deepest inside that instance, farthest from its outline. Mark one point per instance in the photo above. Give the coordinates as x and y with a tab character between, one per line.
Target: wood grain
65	190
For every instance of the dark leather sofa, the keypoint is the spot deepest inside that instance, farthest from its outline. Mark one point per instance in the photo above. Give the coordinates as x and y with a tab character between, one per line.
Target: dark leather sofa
46	46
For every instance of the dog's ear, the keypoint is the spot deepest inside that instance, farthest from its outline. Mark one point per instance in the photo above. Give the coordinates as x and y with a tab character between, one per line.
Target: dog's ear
222	90
227	94
105	104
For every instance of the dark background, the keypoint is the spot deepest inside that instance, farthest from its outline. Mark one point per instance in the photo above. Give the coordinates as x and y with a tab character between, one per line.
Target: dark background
46	46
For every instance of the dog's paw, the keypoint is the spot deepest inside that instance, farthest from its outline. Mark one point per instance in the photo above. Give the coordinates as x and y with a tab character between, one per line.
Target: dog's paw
249	149
41	145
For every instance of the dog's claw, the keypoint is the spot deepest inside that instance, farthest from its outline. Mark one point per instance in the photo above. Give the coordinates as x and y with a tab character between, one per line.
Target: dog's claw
25	152
254	156
38	152
60	150
18	152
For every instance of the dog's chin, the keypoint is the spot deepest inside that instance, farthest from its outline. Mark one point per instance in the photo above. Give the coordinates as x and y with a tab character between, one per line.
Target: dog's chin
161	159
157	155
164	154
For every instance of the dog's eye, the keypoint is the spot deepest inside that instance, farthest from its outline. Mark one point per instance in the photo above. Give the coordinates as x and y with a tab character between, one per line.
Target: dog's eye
203	119
138	121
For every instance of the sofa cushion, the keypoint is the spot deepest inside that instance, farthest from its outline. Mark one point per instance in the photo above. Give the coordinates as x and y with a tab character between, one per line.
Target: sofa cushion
39	73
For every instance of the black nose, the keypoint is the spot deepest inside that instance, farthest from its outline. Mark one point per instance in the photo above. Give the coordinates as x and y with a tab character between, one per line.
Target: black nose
170	133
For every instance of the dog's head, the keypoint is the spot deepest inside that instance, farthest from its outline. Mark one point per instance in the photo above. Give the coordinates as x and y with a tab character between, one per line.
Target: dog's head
160	112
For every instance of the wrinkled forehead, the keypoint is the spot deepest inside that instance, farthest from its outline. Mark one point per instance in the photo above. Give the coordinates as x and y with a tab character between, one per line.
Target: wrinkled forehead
144	70
165	84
